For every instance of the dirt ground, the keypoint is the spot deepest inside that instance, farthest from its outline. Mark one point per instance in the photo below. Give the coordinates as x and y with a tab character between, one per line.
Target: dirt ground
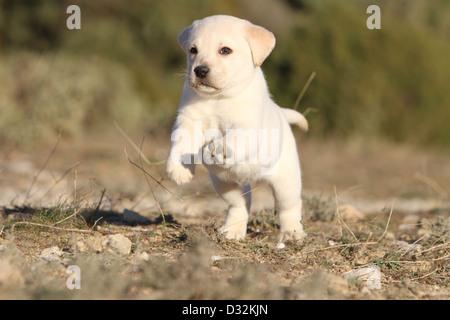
377	208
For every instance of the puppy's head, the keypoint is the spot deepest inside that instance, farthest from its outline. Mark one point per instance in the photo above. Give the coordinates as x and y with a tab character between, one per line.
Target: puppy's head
223	52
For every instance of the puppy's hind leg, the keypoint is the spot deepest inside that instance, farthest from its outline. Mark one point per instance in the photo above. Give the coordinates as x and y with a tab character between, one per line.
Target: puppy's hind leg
239	201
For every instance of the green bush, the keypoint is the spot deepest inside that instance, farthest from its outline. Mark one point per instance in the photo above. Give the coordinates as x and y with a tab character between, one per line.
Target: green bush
43	95
389	83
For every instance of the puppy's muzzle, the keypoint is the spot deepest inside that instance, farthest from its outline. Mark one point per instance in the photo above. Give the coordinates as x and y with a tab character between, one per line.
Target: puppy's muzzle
201	71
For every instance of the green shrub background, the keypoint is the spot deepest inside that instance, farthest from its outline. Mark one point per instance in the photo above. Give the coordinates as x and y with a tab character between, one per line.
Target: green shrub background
125	65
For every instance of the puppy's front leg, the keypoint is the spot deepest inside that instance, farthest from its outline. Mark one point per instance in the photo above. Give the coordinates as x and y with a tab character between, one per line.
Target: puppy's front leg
184	149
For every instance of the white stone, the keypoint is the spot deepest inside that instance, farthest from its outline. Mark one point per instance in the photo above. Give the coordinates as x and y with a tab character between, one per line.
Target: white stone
280	245
117	243
51	254
371	275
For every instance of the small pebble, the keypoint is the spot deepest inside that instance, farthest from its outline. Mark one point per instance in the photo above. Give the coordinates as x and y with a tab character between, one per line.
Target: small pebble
280	245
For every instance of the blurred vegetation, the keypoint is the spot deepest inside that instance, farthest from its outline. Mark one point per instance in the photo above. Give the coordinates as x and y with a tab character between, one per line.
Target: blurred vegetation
125	65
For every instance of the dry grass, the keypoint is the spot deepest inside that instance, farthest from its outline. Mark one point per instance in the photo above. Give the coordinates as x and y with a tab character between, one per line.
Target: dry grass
176	260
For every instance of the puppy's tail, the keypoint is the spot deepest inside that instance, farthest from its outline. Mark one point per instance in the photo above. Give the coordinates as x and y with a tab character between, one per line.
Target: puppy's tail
295	117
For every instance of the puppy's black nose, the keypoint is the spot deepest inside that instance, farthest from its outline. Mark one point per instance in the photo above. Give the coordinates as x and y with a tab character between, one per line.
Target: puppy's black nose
201	71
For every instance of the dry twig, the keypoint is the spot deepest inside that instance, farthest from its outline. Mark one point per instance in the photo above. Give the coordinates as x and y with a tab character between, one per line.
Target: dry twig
340	220
150	186
60	178
305	87
42	167
135	147
49	226
153	178
387	224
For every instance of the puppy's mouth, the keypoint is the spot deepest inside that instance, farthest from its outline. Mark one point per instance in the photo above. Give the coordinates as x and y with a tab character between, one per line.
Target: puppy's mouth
204	86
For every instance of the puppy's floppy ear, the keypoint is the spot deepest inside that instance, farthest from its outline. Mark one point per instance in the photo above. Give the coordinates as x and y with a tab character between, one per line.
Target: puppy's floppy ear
183	38
261	43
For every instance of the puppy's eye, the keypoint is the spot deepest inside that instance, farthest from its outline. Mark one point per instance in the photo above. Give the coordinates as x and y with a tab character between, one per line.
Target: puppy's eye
193	50
225	50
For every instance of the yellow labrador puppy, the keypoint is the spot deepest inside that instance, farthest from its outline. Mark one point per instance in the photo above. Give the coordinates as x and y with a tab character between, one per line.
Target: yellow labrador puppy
228	122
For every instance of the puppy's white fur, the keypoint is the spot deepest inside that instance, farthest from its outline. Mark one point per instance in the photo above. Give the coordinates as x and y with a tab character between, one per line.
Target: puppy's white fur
231	93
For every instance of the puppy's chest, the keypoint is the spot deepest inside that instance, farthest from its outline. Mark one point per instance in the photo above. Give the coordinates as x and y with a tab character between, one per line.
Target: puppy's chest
239	173
226	124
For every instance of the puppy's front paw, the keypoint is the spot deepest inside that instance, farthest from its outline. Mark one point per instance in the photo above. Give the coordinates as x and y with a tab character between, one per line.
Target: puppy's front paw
236	231
292	233
235	226
178	172
218	153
